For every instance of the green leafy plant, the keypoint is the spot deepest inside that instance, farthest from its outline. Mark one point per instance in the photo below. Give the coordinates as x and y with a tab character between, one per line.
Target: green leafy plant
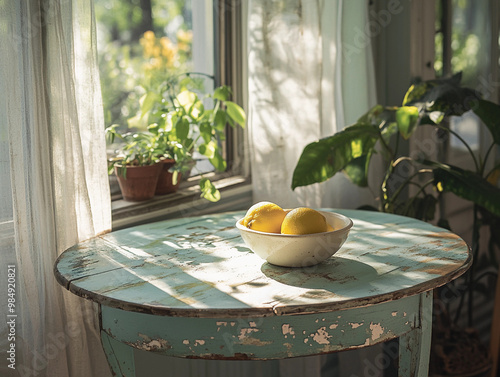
381	131
179	120
136	148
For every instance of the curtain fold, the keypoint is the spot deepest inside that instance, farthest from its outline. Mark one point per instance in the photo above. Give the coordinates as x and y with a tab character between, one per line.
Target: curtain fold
304	86
54	176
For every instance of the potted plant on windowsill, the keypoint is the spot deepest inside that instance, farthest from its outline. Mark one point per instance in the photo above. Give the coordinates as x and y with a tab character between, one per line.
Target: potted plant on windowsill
179	122
190	121
136	163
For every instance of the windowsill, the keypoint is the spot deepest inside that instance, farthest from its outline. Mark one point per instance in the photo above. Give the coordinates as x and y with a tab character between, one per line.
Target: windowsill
236	193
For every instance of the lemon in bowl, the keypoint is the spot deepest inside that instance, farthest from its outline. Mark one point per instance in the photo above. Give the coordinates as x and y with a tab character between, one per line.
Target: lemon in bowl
299	249
304	220
264	217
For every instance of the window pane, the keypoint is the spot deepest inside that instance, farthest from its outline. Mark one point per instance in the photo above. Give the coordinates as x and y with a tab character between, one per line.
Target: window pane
463	42
149	45
463	27
141	44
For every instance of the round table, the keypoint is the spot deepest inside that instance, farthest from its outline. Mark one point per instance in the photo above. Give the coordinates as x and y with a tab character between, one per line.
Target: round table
191	288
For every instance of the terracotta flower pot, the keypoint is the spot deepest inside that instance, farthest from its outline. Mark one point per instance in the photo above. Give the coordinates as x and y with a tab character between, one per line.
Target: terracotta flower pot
165	183
138	183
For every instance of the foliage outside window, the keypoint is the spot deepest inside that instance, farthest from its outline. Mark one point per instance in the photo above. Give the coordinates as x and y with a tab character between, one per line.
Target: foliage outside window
469	39
137	52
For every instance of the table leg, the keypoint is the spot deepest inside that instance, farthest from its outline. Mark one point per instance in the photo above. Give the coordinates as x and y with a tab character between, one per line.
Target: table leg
415	346
120	356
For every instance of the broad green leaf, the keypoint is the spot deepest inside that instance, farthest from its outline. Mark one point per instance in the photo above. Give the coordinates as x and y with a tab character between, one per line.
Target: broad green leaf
407	118
379	116
222	93
467	185
419	90
489	113
322	159
236	113
188	143
154	128
208	190
220	120
382	117
208	149
357	170
175	177
388	130
206	132
444	95
111	133
372	116
186	100
218	162
431	118
436	116
182	129
197	110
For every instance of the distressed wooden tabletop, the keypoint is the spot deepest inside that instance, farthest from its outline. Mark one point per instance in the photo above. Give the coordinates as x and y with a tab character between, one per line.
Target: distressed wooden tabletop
200	267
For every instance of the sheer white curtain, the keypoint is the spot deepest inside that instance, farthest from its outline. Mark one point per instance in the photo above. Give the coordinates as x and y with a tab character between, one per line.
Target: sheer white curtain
310	74
53	180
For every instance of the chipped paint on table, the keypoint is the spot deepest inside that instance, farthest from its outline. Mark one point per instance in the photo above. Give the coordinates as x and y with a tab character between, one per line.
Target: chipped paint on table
191	288
273	337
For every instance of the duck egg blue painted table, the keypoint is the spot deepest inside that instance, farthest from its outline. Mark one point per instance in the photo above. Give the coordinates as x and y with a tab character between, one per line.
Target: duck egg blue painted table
191	288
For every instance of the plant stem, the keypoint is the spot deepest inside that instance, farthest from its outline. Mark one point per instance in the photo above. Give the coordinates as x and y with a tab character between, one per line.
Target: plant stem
475	253
422	189
388	173
483	166
216	108
406	182
385	195
483	275
386	147
188	74
459	309
461	139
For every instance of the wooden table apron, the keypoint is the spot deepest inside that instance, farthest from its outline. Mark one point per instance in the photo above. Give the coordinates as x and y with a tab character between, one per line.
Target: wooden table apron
191	288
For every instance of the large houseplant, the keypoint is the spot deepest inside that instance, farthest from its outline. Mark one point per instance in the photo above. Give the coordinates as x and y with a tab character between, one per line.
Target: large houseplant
181	120
381	130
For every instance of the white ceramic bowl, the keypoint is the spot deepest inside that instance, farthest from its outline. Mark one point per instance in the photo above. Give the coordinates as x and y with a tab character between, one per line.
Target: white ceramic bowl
298	250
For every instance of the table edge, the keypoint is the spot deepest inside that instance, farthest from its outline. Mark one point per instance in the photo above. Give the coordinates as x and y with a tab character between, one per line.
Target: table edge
262	311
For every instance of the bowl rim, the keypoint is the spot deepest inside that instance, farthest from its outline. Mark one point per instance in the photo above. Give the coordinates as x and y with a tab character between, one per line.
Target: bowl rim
346	228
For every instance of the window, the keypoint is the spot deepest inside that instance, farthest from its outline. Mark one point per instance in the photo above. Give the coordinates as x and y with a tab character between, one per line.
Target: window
467	41
144	42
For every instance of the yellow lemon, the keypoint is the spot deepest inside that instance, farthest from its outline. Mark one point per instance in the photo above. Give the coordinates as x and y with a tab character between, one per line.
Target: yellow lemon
304	221
264	217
